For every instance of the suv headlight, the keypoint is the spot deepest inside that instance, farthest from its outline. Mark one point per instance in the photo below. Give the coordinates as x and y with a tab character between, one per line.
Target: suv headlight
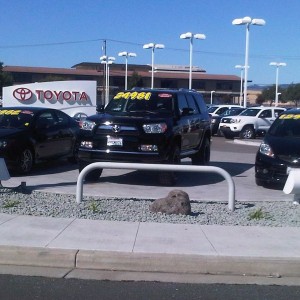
3	144
266	149
155	128
87	125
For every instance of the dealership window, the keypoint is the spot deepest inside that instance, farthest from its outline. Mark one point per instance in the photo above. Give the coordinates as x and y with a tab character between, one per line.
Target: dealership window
224	86
198	85
168	83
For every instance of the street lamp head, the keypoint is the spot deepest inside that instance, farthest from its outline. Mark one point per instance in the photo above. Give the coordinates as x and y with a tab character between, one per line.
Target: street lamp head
131	54
111	58
122	53
278	64
104	57
152	46
200	36
248	20
159	46
259	22
189	35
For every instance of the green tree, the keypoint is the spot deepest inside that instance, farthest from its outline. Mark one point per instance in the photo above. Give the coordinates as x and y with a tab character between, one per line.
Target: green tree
292	93
5	78
135	80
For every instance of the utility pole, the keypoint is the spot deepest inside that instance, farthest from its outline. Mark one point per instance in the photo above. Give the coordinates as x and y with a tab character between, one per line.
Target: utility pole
104	74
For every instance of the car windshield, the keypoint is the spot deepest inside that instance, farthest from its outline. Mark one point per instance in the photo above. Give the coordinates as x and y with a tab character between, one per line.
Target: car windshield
286	125
136	101
212	109
15	118
232	112
252	112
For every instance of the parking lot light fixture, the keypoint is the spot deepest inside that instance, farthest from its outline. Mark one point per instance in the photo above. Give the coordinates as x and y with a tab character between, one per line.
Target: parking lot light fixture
126	55
191	37
153	46
277	65
247	21
211	96
107	60
242	75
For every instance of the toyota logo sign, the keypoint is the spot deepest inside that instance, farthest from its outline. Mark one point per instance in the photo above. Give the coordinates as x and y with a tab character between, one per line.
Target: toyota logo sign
22	94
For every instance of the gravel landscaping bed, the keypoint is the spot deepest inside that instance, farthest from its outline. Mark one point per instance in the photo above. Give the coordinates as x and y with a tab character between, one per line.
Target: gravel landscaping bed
13	201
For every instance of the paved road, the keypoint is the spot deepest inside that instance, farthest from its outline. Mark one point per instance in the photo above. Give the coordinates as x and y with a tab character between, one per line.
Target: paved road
237	159
28	288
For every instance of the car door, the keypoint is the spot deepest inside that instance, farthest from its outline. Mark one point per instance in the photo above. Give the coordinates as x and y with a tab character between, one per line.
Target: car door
184	123
265	119
66	137
46	135
194	121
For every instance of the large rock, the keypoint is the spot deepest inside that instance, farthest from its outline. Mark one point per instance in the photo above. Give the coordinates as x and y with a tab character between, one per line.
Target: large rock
177	202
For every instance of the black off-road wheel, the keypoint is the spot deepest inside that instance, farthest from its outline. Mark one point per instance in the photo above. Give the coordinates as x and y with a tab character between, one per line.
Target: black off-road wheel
247	132
202	157
92	175
170	178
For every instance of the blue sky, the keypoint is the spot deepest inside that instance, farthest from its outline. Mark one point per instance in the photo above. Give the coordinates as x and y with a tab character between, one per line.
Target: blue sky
62	33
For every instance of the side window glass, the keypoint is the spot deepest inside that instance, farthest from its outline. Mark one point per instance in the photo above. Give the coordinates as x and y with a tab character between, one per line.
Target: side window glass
62	119
200	103
266	114
182	102
192	103
277	112
45	121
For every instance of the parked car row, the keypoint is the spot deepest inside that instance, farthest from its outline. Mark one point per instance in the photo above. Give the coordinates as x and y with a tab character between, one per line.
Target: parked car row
138	126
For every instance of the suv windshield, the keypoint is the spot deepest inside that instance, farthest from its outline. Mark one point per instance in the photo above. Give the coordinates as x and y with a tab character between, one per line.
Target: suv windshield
15	118
137	101
252	112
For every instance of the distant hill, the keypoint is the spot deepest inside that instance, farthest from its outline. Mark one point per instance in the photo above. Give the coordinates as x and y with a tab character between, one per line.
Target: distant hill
260	87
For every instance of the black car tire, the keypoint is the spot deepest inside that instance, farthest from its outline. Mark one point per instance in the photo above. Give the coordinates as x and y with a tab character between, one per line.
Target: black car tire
259	182
92	175
202	157
247	132
170	178
25	161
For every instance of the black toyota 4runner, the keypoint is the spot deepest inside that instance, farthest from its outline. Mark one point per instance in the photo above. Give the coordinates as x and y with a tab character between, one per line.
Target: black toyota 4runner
147	126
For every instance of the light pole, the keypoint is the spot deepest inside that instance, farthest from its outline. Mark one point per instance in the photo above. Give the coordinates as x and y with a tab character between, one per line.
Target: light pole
211	96
247	21
241	88
191	37
107	60
126	54
277	65
153	46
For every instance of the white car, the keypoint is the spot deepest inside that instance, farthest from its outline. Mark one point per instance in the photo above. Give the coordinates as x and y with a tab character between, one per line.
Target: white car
251	122
216	110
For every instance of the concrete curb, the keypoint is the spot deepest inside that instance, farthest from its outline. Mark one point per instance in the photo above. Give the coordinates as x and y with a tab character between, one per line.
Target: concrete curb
144	262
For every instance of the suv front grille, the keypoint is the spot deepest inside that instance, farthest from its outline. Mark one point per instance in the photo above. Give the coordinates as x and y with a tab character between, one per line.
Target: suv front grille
115	128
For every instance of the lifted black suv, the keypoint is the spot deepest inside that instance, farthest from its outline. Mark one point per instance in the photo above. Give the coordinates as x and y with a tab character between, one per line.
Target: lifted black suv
147	126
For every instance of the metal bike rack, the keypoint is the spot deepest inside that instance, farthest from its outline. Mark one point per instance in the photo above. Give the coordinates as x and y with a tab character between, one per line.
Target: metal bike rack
157	167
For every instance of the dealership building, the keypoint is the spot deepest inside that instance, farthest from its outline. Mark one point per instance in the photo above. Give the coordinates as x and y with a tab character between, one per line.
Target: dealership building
215	87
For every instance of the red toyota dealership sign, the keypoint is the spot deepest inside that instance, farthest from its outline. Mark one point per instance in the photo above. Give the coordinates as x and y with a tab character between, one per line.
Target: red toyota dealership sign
64	95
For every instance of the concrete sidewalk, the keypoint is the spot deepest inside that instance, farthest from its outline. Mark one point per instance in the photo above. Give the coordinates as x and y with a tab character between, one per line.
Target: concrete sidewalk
76	245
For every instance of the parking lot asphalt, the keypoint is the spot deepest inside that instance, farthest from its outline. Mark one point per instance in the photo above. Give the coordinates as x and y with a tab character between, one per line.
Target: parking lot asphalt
78	248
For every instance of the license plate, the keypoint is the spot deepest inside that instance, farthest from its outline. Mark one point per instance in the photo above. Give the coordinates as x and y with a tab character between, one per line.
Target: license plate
112	141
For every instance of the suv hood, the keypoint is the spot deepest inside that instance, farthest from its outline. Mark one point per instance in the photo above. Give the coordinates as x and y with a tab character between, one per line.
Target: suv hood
132	118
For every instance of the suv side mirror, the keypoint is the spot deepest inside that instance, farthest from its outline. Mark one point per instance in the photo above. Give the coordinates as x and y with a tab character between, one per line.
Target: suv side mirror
186	111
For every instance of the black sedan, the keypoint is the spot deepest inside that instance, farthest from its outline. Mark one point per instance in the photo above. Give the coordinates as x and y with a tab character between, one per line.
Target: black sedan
29	135
216	119
279	150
